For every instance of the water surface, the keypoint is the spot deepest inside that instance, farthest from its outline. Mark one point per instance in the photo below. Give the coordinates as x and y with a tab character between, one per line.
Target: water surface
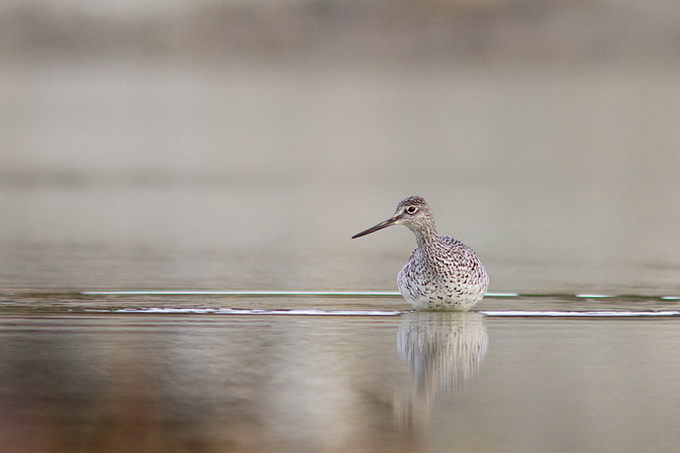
176	179
75	380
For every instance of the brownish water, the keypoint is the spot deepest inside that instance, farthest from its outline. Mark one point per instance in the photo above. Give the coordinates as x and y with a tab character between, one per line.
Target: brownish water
416	382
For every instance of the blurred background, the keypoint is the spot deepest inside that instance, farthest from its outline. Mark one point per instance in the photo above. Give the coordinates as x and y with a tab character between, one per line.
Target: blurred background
232	144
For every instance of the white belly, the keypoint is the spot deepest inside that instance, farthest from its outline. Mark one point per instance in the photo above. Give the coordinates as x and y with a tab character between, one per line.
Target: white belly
458	290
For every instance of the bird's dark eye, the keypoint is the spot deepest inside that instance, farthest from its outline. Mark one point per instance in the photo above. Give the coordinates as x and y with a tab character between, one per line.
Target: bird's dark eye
411	210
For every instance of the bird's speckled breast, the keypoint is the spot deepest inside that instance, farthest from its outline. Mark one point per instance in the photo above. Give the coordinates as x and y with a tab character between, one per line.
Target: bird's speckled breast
444	275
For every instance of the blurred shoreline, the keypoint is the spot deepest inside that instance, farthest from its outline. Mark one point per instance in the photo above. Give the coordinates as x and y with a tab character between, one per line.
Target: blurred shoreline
522	32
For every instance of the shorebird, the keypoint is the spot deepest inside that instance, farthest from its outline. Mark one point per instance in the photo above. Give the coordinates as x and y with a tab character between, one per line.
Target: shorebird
442	273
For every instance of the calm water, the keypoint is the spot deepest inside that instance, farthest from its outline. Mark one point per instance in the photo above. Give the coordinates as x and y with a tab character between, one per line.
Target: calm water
411	382
152	174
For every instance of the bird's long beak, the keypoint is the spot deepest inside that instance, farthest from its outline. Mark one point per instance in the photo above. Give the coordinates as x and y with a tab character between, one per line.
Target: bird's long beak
380	226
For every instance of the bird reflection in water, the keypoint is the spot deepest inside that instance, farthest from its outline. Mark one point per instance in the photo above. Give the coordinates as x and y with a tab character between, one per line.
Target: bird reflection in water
444	351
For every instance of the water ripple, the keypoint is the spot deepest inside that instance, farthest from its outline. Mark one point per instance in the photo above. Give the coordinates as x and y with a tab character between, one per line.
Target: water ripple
315	312
247	293
244	311
582	314
587	312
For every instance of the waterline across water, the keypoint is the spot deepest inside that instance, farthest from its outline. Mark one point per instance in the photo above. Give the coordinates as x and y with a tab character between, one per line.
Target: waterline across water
255	293
329	303
312	312
244	311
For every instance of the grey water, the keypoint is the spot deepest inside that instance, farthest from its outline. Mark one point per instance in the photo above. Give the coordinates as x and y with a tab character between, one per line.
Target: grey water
177	273
410	382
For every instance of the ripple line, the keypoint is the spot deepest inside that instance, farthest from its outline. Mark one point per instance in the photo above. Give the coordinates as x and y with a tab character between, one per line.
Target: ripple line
244	311
582	314
317	312
256	293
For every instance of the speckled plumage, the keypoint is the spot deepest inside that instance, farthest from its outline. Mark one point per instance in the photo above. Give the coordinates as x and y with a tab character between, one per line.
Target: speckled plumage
442	273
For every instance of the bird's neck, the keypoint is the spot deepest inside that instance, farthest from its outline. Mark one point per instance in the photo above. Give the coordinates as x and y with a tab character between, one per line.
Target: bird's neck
427	237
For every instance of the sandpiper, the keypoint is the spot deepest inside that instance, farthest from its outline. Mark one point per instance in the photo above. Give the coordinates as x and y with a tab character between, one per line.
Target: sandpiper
442	273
